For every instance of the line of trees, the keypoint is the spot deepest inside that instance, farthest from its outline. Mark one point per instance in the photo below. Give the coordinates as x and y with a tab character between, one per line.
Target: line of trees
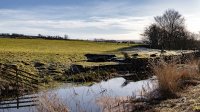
15	35
115	41
65	37
169	32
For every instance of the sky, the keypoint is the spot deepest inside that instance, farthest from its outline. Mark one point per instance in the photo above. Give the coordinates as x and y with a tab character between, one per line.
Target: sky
90	19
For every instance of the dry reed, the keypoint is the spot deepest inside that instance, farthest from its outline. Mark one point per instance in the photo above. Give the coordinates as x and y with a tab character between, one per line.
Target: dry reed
51	103
171	76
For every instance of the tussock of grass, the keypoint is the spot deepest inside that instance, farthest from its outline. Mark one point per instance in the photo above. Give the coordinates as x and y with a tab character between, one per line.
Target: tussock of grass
126	55
172	76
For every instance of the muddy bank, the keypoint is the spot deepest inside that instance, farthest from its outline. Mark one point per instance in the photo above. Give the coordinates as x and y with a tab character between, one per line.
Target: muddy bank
48	72
139	67
131	69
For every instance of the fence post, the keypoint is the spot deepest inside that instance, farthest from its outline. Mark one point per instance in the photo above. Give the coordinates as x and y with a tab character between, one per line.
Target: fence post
17	83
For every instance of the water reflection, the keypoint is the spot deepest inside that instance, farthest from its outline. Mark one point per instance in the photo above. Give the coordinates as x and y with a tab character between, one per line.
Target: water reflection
91	98
85	97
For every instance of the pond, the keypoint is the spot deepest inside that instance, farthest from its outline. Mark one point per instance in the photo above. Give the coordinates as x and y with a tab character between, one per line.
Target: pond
92	98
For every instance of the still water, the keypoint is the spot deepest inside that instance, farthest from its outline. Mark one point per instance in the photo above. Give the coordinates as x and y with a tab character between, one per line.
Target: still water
89	98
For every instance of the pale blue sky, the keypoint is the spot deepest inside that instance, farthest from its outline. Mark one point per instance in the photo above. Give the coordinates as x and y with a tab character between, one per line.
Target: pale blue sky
88	19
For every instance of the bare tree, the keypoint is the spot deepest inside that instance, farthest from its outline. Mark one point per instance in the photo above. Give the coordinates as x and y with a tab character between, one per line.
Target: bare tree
172	22
154	34
169	32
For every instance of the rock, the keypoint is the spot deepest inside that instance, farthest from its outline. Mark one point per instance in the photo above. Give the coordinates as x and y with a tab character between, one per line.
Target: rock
39	64
99	57
135	55
153	55
163	51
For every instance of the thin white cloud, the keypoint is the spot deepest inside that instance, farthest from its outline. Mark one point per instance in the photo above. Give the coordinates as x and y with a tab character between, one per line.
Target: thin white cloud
107	25
108	20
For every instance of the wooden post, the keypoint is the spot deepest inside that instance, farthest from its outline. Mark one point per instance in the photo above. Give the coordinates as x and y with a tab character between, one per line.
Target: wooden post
17	84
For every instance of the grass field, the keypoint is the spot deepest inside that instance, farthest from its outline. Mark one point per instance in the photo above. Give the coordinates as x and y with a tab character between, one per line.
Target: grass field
15	50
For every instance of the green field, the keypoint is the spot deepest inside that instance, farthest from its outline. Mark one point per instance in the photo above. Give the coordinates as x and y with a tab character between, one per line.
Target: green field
28	50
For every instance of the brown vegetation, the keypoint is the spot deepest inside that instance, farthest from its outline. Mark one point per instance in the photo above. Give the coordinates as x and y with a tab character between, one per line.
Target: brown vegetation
172	77
51	103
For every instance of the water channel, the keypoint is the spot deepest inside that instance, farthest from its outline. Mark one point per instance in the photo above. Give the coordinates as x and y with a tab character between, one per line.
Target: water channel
87	98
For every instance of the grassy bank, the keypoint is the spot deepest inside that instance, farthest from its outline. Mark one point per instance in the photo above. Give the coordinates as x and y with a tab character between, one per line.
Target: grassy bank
51	59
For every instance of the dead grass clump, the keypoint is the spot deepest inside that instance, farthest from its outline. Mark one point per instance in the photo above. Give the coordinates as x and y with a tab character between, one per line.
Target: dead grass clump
115	104
51	103
171	77
126	55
